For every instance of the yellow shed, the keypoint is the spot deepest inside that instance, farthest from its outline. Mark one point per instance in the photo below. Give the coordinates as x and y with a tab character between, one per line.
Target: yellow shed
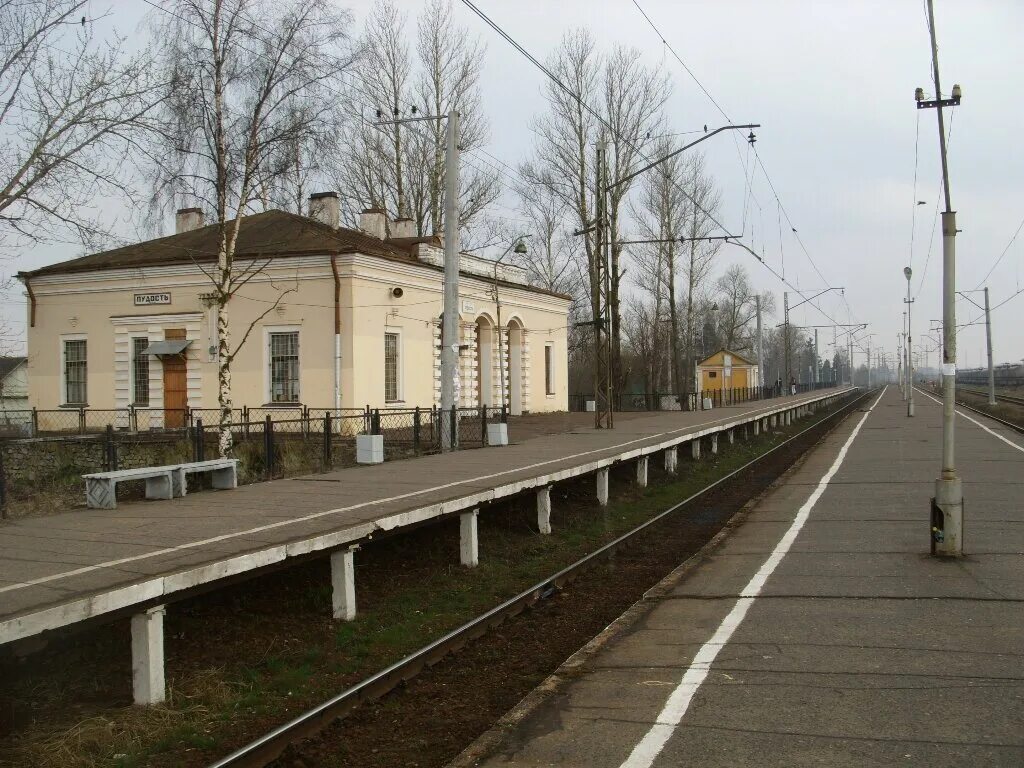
726	369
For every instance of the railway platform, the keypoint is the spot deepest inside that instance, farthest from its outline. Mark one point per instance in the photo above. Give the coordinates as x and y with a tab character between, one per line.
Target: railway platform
820	631
60	571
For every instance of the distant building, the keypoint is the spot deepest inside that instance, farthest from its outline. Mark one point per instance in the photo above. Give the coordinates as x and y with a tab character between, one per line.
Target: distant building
14	394
339	318
726	369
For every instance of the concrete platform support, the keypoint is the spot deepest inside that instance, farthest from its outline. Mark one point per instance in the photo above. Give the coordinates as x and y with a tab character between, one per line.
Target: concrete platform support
148	656
695	449
671	460
641	472
544	510
469	545
757	427
602	487
343	584
731	434
714	444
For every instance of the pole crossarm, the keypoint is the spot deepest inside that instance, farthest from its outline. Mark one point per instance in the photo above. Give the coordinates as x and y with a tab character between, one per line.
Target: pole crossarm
820	293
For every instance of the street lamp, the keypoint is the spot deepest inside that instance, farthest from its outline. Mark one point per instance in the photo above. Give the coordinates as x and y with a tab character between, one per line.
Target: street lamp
909	366
517	247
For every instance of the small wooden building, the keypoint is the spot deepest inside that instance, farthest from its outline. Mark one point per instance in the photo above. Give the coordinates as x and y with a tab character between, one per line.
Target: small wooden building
726	369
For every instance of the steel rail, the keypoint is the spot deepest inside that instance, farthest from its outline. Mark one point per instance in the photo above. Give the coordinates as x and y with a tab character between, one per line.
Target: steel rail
272	744
999	396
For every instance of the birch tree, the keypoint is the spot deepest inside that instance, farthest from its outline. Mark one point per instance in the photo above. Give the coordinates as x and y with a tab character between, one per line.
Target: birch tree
250	78
72	108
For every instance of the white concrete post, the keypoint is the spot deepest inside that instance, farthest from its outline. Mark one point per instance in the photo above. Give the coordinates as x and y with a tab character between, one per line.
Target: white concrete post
714	444
671	459
469	545
641	472
343	584
602	487
757	427
732	437
695	448
544	510
148	656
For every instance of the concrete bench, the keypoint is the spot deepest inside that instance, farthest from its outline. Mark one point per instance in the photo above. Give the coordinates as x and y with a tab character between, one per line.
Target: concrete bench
166	482
223	474
101	487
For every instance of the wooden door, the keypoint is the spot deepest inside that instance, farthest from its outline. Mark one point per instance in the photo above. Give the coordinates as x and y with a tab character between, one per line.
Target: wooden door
175	384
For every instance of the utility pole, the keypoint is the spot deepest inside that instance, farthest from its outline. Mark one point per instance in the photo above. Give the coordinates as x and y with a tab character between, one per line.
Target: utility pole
903	382
599	290
785	331
450	318
988	343
760	346
948	504
817	365
909	367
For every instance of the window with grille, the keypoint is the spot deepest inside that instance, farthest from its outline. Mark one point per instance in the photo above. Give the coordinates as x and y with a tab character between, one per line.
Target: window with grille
75	372
284	367
140	372
549	369
391	389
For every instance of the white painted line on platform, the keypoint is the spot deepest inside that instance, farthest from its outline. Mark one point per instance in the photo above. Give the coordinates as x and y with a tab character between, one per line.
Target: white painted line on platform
978	423
646	752
697	429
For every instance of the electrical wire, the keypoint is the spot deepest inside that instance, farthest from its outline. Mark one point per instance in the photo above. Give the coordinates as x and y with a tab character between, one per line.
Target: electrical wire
1001	255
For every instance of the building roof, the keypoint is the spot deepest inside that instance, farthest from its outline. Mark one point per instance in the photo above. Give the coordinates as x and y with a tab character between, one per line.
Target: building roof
723	351
276	232
271	233
9	364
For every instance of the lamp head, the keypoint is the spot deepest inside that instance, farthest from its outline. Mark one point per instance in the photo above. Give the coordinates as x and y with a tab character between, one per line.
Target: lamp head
907	271
520	247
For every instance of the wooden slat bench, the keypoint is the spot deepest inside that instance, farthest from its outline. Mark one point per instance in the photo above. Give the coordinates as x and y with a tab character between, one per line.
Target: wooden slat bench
166	482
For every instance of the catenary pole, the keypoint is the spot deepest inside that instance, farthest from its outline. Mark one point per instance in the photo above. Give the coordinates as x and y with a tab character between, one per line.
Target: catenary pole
450	319
948	504
760	345
988	344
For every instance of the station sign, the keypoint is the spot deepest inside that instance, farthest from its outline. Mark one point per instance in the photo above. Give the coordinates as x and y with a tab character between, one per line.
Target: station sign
148	299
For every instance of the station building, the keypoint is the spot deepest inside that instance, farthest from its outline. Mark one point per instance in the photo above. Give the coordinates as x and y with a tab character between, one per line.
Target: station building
726	369
332	318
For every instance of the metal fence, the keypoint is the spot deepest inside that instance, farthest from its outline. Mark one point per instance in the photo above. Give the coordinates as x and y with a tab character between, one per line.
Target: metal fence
692	401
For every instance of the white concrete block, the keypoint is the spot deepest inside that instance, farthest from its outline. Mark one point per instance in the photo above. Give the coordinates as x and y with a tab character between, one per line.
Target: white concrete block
544	510
671	460
497	433
369	449
708	403
602	486
591	406
343	584
148	656
469	545
641	472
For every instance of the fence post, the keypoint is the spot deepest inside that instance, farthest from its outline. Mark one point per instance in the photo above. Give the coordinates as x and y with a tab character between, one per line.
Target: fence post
375	421
268	446
504	414
198	441
108	446
35	423
416	429
3	486
81	421
483	425
328	443
455	428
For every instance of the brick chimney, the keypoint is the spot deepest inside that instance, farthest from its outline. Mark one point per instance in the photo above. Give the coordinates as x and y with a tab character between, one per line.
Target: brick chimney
323	206
188	219
373	221
404	227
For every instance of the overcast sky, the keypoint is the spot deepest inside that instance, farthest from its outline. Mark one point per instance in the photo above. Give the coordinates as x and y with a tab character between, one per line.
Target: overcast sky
832	84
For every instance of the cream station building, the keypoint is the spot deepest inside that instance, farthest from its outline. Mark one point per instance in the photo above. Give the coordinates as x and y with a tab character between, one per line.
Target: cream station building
339	318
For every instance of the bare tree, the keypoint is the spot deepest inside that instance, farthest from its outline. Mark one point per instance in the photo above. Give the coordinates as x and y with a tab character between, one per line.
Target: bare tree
401	167
250	78
71	109
737	308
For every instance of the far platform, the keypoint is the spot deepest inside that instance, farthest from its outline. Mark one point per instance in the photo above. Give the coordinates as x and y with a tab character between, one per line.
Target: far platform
854	648
59	570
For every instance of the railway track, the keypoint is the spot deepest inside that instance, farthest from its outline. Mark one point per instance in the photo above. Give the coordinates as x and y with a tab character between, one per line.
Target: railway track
274	743
999	396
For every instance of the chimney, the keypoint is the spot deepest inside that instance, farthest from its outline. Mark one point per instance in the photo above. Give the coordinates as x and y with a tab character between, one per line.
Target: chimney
373	221
404	227
188	219
323	206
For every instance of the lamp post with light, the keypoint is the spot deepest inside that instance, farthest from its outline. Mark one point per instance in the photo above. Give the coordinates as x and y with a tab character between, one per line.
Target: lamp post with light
909	365
517	247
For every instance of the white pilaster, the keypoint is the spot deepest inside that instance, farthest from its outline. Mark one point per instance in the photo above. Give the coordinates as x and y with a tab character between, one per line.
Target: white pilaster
148	656
731	434
671	459
641	472
469	546
714	444
343	584
602	486
695	448
544	510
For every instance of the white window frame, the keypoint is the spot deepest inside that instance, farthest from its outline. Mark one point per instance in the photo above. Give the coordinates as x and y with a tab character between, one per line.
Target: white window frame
268	384
131	371
549	345
400	372
64	371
